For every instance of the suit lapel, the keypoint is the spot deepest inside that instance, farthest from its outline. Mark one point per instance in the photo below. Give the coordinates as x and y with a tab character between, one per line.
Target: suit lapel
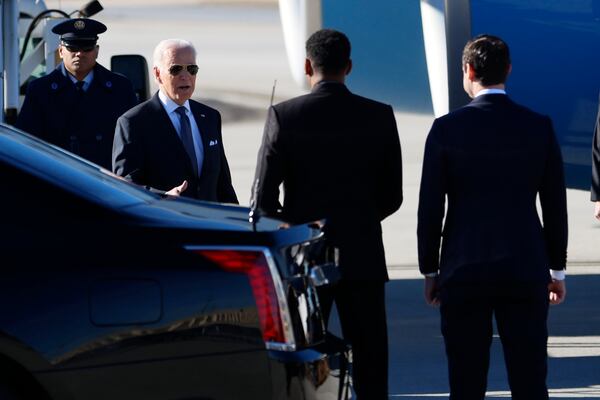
62	91
65	100
205	132
168	138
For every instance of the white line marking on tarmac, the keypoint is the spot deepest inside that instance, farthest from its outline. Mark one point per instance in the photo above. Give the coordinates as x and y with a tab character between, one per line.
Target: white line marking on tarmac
412	272
573	346
590	392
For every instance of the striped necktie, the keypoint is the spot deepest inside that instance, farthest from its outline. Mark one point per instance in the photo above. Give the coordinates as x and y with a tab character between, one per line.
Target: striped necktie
186	137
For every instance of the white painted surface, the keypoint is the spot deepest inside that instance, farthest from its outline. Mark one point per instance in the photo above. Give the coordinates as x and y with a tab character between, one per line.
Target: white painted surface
434	36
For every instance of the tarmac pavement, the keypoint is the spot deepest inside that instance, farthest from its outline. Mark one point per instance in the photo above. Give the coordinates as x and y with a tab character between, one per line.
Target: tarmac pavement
241	52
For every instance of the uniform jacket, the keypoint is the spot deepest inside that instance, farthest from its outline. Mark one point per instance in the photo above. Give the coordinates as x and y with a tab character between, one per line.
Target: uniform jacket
147	150
338	156
83	124
491	159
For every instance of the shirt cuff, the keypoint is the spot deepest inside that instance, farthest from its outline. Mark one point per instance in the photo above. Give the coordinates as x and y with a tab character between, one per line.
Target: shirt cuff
431	275
558	275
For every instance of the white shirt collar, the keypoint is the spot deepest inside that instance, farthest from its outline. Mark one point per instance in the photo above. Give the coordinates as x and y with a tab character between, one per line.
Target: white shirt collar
169	105
490	91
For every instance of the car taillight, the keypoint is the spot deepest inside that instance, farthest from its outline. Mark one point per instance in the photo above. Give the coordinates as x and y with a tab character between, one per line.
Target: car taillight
271	303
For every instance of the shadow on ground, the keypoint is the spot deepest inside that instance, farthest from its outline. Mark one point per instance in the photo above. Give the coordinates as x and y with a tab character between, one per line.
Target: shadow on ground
417	358
231	113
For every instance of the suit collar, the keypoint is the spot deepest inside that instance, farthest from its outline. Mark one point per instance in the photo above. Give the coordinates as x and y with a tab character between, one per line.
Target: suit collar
160	113
200	115
102	78
330	87
490	91
58	80
196	109
169	104
87	80
490	99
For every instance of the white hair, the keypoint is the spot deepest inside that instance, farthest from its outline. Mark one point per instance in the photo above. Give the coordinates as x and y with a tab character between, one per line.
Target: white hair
168	45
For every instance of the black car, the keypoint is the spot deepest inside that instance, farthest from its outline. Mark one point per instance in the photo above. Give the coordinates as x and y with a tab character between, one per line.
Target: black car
109	291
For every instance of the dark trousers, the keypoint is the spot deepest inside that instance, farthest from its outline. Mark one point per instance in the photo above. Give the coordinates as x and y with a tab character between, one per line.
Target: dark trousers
521	314
361	309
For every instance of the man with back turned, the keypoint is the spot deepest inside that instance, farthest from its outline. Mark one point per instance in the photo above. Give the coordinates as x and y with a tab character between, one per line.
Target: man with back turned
490	159
338	157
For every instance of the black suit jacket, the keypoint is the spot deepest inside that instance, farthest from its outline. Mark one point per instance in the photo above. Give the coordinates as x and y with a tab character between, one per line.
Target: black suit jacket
148	151
596	160
491	159
83	124
338	156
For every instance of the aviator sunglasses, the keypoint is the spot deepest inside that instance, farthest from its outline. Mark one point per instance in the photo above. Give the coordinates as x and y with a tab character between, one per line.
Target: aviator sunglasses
176	69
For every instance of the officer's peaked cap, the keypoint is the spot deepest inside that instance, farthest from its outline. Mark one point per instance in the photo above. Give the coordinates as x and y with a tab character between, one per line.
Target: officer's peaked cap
79	30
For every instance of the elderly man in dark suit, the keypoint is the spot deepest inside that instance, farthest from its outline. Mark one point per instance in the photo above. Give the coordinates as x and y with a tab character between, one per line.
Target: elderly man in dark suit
77	105
170	142
338	157
491	159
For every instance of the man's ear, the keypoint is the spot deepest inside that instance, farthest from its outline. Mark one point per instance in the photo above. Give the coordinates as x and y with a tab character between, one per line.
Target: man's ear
470	72
156	73
349	67
308	69
509	69
60	51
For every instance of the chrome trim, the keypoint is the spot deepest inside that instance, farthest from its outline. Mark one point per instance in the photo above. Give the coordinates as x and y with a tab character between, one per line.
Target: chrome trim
286	320
280	346
317	276
284	310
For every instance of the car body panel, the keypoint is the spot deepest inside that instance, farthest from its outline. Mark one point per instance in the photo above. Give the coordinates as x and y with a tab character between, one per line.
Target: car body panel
103	296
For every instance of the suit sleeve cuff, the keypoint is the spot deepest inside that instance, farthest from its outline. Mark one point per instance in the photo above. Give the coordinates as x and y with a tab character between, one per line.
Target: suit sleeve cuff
558	275
431	275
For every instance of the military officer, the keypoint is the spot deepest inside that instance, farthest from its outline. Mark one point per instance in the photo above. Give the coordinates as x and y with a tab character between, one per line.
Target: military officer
77	105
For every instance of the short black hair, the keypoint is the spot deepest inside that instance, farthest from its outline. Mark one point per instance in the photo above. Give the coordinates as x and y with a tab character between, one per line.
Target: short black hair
490	58
328	50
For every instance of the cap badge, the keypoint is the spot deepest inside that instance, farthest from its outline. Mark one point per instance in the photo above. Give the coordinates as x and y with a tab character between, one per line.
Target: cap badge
79	25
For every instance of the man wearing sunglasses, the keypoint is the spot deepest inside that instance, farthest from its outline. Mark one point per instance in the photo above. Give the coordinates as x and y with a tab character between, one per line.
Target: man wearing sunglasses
170	142
77	105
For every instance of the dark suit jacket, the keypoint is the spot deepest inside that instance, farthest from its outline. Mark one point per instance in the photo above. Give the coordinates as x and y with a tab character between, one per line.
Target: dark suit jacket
338	156
147	150
596	160
55	112
490	159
